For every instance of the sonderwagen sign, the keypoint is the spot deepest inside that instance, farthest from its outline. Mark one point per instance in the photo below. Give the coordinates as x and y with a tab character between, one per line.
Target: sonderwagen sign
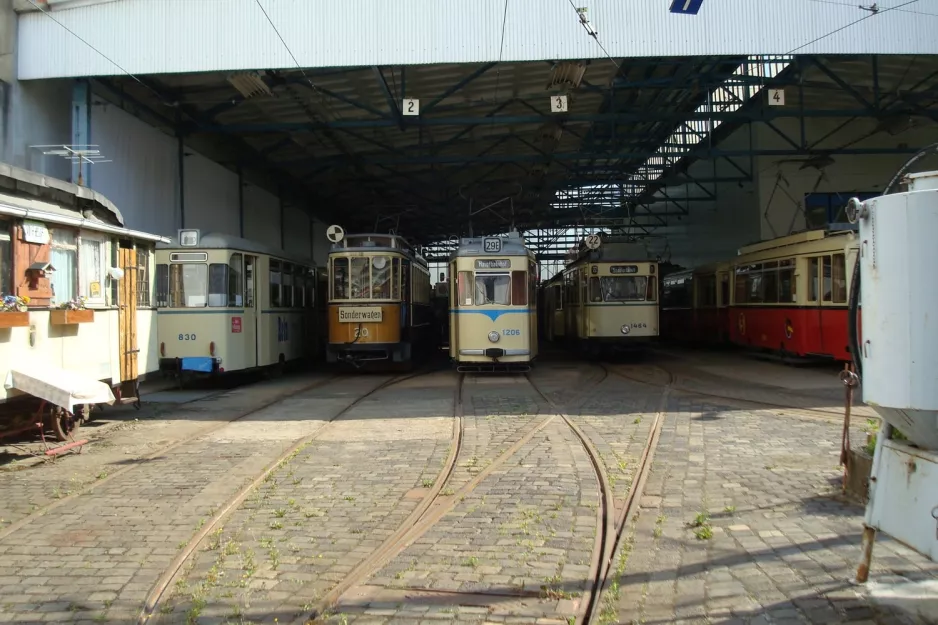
359	314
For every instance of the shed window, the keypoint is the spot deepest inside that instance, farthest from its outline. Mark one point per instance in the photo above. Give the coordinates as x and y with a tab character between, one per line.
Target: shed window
143	277
6	260
64	257
91	268
162	285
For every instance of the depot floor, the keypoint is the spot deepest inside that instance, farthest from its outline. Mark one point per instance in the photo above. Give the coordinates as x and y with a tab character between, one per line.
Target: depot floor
271	502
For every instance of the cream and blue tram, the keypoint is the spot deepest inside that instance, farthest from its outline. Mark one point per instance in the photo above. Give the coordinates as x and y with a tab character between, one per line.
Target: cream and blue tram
229	304
609	297
379	301
493	318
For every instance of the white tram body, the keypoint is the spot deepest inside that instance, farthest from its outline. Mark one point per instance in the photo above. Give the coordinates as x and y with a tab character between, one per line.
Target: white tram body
492	317
607	298
229	304
75	291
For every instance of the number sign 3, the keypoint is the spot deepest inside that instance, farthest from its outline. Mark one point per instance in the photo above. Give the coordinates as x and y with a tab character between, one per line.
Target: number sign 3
558	104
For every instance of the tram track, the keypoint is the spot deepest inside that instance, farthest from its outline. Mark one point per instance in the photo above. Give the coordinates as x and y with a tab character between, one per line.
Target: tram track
435	507
176	567
208	430
610	525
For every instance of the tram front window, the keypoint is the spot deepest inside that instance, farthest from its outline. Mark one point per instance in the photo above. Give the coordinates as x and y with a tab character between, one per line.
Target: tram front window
493	289
381	277
361	287
188	285
624	288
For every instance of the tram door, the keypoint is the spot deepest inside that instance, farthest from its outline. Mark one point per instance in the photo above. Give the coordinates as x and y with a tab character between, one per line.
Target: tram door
249	321
127	319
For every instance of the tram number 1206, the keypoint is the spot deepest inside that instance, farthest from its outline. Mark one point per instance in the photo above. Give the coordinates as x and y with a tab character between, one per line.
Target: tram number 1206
283	330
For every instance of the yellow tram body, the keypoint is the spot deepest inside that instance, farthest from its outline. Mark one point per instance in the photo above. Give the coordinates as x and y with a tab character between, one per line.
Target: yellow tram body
229	304
379	300
493	318
605	298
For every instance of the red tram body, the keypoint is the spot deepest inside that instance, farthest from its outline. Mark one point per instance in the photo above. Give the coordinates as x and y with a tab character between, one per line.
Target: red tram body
787	295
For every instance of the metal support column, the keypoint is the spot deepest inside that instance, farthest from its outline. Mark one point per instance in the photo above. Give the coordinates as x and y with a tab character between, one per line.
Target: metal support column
81	129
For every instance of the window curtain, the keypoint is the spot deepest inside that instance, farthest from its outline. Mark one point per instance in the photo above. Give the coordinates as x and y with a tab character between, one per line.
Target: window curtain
63	279
90	269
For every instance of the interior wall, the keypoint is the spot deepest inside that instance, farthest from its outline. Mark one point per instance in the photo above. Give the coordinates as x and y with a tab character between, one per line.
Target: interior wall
261	216
143	179
296	232
211	196
784	181
714	228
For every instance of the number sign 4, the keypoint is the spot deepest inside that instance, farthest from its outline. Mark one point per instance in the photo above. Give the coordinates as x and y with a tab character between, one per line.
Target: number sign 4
410	106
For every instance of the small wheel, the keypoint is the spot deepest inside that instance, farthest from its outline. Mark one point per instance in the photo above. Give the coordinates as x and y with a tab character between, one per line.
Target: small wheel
62	422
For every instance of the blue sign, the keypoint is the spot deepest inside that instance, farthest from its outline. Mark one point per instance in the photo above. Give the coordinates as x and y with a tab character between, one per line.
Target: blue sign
685	7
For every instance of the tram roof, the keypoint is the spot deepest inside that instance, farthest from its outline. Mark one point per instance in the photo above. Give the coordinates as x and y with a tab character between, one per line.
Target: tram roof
221	241
512	245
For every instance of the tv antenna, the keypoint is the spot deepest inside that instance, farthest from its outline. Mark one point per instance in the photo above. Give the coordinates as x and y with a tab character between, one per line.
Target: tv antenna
77	154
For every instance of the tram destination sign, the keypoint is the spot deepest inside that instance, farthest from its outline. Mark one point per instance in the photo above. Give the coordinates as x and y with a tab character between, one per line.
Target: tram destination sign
493	263
359	314
623	269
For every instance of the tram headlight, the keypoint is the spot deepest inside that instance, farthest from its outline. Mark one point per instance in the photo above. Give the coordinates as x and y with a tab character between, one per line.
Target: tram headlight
494	336
625	329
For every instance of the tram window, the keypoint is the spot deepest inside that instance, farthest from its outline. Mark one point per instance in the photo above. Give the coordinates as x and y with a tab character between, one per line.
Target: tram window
519	288
340	278
360	276
624	288
652	292
812	279
839	275
827	278
249	281
217	285
162	285
740	287
770	283
286	286
558	297
786	285
188	285
235	293
464	282
724	290
275	300
395	278
381	277
492	288
299	287
596	294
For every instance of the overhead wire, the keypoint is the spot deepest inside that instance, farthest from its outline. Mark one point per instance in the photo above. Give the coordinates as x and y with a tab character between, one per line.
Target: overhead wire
501	49
853	23
593	34
853	5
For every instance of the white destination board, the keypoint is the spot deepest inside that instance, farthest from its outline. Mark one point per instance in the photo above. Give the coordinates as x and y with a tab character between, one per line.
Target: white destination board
359	314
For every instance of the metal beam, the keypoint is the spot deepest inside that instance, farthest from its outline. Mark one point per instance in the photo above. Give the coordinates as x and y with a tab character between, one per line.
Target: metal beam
395	111
643	116
459	85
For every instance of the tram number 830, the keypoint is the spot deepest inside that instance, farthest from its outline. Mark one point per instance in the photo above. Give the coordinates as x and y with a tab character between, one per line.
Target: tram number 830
186	337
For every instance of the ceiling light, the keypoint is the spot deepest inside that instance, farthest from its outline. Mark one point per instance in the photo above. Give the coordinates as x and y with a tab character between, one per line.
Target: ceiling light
249	84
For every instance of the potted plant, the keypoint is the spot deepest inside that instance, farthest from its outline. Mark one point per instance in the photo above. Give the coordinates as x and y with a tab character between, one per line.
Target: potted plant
13	311
72	311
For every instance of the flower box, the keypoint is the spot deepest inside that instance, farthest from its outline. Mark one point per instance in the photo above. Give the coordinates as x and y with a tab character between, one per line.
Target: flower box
14	319
61	317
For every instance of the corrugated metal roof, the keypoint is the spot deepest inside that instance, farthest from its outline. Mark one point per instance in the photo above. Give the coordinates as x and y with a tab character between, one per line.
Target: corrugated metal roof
168	36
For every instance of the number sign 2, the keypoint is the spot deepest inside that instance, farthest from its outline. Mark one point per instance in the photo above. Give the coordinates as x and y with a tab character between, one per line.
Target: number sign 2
410	106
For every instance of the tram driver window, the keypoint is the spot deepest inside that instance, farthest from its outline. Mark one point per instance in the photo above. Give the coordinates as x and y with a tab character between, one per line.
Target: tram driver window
235	294
464	282
839	275
381	277
492	288
340	278
519	289
827	278
596	294
217	285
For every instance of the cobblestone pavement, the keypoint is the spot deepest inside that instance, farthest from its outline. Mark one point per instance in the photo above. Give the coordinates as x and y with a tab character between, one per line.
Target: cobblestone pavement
741	522
315	518
95	558
516	547
121	436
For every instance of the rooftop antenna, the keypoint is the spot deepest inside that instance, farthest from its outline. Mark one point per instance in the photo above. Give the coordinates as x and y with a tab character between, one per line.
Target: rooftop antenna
76	153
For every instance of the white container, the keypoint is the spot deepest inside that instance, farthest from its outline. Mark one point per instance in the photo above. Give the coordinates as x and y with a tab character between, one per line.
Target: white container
899	327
